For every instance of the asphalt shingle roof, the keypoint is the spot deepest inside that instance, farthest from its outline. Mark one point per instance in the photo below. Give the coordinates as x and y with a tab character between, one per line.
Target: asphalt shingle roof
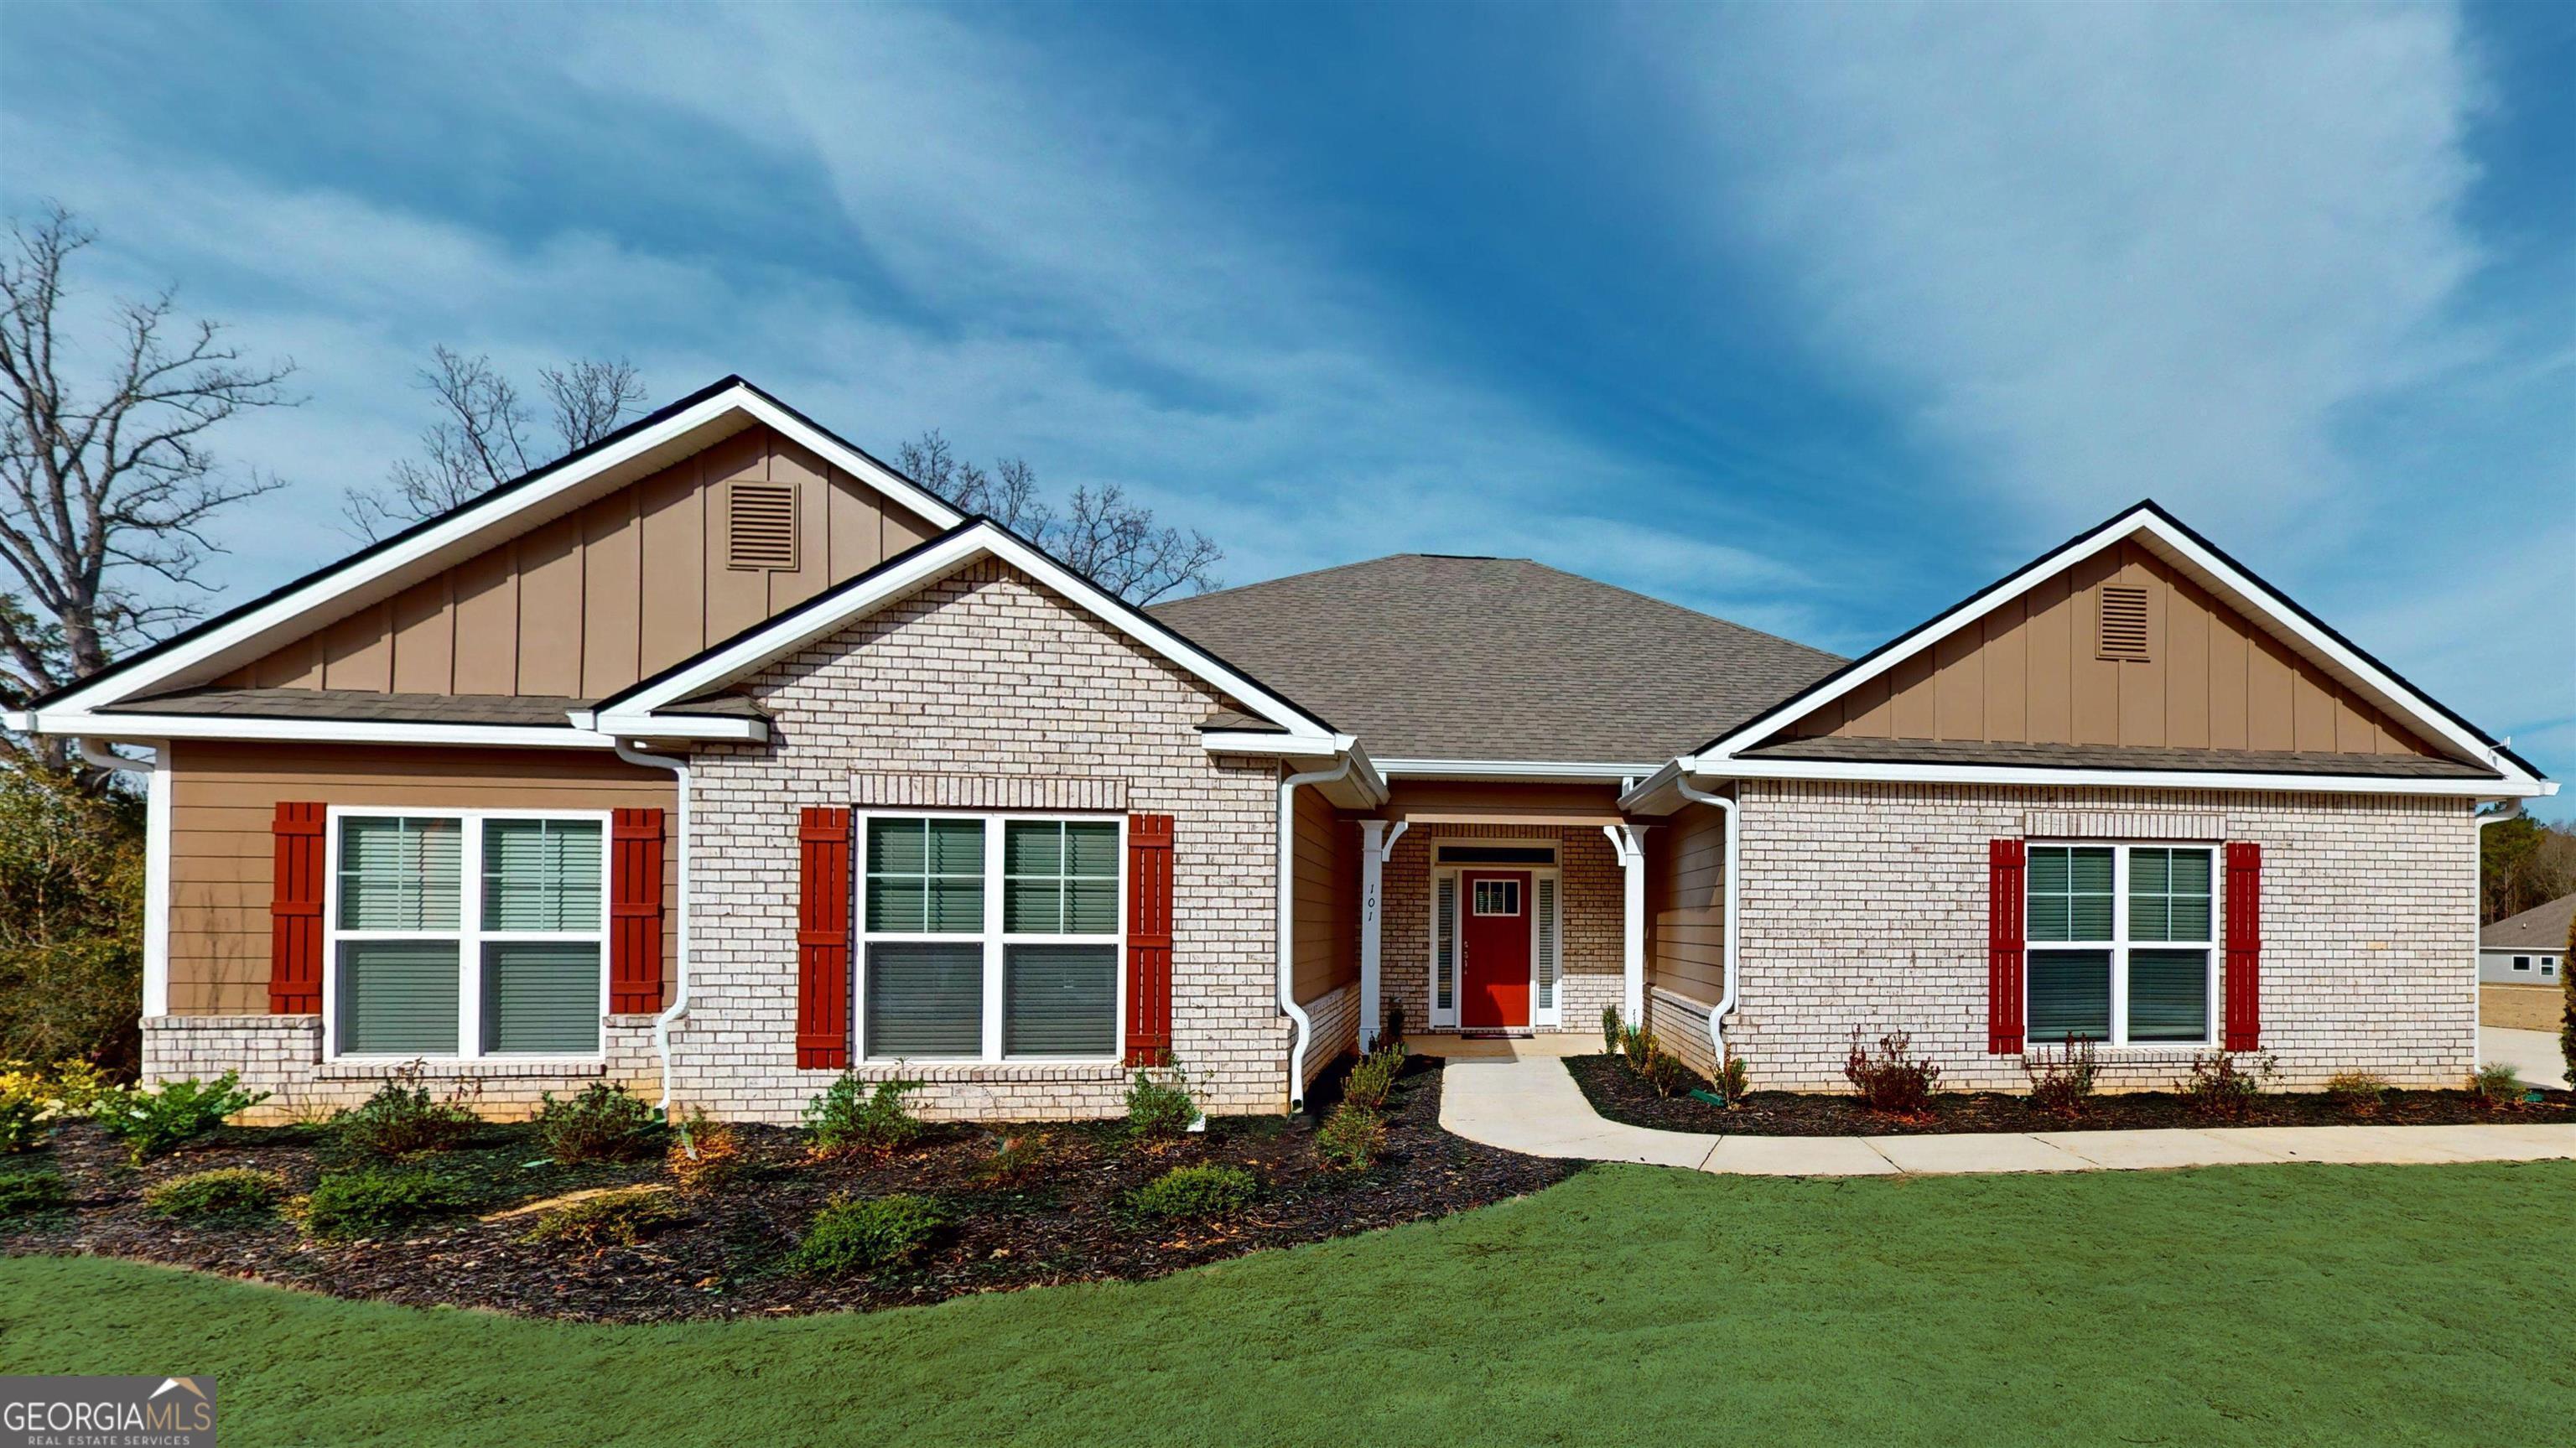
1428	656
2542	927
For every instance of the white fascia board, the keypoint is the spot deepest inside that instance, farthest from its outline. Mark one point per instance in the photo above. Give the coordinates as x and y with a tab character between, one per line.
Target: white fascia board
829	614
2233	584
1521	769
143	727
1710	768
470	530
1263	742
622	725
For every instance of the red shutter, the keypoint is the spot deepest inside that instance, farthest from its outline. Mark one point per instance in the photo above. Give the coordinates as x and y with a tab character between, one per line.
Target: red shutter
2244	946
823	941
1149	938
2005	863
635	912
295	911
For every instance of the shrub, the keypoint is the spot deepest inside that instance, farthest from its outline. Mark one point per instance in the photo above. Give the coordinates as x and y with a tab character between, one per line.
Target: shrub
863	1236
2356	1090
1373	1077
222	1192
1894	1081
2567	1003
1013	1161
1731	1083
1634	1042
621	1217
1196	1193
2496	1084
704	1154
1609	1030
1390	1031
2223	1085
1352	1138
32	1099
603	1123
71	918
375	1202
1159	1110
401	1119
2061	1084
849	1117
30	1193
151	1122
1661	1068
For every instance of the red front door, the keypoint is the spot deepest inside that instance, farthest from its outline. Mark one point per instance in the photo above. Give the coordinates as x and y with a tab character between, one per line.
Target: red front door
1494	948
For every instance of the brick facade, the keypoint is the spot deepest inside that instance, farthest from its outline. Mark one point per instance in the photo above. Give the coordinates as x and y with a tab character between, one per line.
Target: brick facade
1591	905
282	1055
1865	905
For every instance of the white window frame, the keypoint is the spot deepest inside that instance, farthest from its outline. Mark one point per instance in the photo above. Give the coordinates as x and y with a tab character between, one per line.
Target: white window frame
992	937
469	935
2120	944
2522	962
1552	1017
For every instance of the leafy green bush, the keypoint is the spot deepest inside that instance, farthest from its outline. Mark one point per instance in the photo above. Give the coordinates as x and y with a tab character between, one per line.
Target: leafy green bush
621	1217
151	1122
30	1193
1157	1110
1730	1078
2061	1084
703	1154
603	1123
33	1099
2497	1084
2357	1090
864	1236
1352	1138
1013	1161
1196	1193
2223	1085
375	1202
1374	1076
401	1119
849	1117
1662	1069
1610	1034
222	1192
1894	1081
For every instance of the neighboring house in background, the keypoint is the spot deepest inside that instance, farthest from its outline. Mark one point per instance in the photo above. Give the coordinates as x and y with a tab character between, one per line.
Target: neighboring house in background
2529	948
720	758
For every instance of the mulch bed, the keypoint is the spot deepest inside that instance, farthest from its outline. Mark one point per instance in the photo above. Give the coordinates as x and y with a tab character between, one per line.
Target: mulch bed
1622	1095
1065	1221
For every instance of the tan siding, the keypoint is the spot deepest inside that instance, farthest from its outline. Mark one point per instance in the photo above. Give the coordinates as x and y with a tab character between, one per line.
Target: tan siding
587	604
1325	905
2032	671
1687	897
224	797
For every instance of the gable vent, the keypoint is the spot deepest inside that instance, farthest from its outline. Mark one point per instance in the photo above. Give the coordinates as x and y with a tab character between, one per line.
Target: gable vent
2124	623
760	525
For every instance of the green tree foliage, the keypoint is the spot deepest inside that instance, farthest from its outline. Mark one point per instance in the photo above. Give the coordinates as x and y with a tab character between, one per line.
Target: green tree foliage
71	921
2523	863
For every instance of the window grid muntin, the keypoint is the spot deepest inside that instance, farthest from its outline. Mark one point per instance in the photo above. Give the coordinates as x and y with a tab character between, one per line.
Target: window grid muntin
2117	940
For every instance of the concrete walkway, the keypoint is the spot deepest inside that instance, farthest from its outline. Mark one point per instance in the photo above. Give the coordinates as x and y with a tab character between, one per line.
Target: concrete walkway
1517	1095
2534	1053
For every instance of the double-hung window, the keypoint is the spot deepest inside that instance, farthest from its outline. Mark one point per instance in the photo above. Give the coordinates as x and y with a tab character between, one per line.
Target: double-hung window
989	938
2122	944
467	935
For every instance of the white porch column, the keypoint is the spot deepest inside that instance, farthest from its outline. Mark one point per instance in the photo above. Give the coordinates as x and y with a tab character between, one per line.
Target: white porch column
1629	843
1372	879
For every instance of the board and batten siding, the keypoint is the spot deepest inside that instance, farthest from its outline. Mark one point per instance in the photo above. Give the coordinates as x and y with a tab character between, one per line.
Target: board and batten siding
2031	672
589	603
224	797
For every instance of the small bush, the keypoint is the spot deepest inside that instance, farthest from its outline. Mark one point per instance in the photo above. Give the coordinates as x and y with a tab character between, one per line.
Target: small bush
603	1123
2224	1085
1159	1110
704	1154
1390	1031
1352	1138
622	1218
1373	1077
1013	1161
2357	1090
1609	1030
375	1202
849	1117
31	1193
151	1122
402	1120
1894	1081
865	1236
1196	1193
226	1191
1731	1081
1660	1068
2061	1084
2497	1084
1634	1043
33	1099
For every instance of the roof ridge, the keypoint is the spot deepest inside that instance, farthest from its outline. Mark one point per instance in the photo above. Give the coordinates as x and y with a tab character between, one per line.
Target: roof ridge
1684	608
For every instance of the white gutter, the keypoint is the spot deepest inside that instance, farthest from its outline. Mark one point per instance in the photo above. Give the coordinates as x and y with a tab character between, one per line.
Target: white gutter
155	765
1288	924
680	998
1726	997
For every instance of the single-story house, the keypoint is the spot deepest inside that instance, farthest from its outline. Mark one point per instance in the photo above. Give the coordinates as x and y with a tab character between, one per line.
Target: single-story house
2529	948
720	758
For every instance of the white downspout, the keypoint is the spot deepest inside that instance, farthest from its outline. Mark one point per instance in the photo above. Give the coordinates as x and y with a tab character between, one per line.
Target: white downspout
680	997
1726	998
1288	925
156	862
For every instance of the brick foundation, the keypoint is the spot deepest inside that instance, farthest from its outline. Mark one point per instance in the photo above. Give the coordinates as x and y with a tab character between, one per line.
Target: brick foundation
282	1055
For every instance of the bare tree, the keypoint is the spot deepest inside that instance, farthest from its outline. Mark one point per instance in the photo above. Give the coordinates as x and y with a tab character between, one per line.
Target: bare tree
103	494
1100	534
480	439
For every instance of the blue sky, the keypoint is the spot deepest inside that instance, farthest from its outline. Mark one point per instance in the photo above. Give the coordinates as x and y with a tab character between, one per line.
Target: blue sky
1815	317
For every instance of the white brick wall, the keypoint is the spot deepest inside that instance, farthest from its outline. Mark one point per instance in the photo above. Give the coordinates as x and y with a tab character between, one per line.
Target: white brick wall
282	1055
1865	905
984	689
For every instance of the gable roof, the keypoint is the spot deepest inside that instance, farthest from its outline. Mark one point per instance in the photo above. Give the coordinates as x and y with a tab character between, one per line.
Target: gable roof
2542	927
384	568
1439	657
2231	582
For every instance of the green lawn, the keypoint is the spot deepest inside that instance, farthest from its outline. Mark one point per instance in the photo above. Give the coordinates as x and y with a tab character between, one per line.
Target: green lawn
2276	1305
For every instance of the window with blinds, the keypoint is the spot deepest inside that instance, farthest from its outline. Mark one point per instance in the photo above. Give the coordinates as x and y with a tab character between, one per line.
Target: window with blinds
2121	944
760	526
925	876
